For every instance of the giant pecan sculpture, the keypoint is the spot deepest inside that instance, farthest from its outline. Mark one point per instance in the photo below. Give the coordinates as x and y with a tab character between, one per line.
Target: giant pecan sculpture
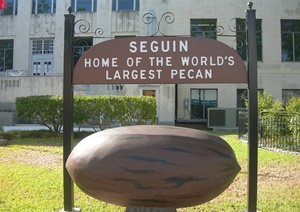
153	166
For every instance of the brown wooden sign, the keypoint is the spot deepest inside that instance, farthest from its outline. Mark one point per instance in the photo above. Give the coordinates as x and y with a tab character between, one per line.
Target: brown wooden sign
160	60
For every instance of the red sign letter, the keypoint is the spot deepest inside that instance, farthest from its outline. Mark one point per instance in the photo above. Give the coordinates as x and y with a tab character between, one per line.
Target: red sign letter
2	4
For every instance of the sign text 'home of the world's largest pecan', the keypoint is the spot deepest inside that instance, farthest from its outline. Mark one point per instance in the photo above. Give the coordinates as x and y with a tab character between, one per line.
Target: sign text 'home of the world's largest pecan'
160	60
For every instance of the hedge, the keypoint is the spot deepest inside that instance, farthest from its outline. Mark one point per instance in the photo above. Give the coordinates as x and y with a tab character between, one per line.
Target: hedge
95	111
45	110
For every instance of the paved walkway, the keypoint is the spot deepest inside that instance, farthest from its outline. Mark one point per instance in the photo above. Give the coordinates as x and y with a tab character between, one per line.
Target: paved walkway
30	127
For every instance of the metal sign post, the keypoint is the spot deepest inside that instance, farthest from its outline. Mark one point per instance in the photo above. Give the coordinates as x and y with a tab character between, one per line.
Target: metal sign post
68	109
252	109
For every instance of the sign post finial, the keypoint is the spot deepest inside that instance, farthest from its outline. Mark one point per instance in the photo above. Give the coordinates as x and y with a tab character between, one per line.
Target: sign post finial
250	5
70	10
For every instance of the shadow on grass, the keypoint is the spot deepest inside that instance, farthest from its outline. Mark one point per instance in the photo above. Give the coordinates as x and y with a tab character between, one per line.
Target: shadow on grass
222	132
39	137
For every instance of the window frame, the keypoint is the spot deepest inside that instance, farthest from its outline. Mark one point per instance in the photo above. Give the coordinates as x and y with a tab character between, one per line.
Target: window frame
44	47
135	6
202	104
93	5
204	33
7	45
242	96
287	94
294	30
35	7
7	9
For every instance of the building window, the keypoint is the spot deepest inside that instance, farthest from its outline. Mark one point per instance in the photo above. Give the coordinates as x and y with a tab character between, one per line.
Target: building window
117	87
201	100
290	40
242	97
241	40
43	6
289	93
10	8
125	5
6	54
42	46
124	36
42	57
81	44
204	28
84	5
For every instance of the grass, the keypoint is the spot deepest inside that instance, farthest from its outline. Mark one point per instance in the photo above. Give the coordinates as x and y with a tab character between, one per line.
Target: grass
31	179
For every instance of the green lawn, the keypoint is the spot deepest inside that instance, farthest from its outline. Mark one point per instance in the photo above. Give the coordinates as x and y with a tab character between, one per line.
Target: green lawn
31	179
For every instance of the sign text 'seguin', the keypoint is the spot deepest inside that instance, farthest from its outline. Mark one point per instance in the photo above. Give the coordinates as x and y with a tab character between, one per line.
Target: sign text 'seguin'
163	60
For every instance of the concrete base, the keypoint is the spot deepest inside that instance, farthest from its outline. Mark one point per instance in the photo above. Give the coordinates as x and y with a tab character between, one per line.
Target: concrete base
8	118
149	209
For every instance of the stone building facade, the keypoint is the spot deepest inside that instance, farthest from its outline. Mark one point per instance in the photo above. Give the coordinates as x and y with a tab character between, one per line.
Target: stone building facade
32	49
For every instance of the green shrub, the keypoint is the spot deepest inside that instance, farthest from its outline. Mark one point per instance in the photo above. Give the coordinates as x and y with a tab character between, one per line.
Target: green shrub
22	134
279	127
46	110
79	106
103	111
270	114
96	111
267	103
293	108
145	107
